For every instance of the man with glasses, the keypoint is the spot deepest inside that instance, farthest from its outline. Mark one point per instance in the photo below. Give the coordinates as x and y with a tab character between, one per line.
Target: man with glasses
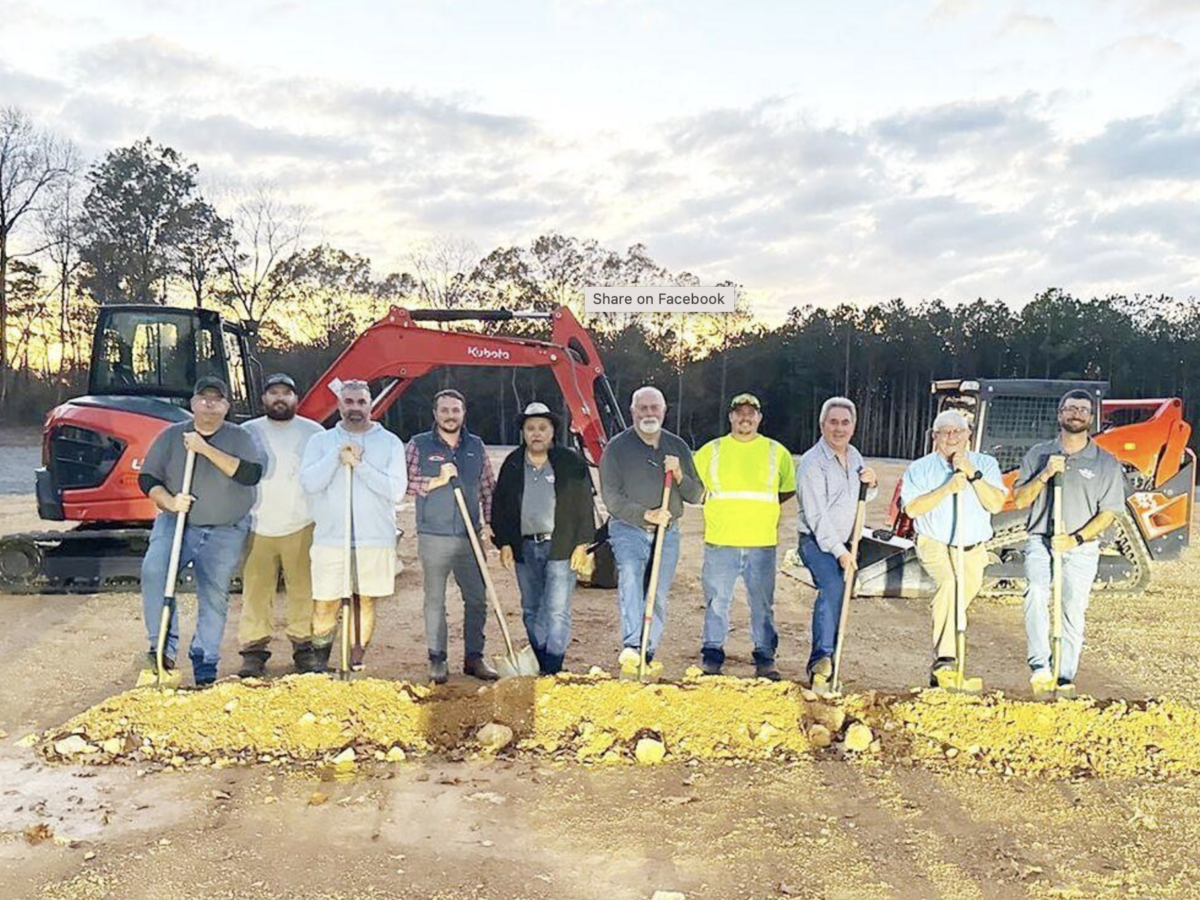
228	465
1093	493
927	495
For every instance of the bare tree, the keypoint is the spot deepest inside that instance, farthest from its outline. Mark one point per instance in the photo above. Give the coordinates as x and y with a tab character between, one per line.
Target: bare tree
442	268
31	160
264	230
59	222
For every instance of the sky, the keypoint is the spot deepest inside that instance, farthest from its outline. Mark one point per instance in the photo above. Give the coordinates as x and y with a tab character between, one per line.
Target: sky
814	152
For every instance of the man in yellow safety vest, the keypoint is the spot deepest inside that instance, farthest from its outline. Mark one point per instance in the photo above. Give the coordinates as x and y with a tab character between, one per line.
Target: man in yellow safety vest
747	476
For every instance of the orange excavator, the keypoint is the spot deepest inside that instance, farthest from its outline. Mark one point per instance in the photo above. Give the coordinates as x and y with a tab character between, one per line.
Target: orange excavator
1008	416
144	363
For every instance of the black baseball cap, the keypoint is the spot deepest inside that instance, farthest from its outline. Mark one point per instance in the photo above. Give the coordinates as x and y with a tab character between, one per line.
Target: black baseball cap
279	378
211	383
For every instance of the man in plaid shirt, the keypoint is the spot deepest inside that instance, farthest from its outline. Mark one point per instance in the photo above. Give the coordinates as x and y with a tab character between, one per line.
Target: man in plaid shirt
434	457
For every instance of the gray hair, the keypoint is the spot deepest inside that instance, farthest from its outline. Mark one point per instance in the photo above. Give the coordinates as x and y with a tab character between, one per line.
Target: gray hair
951	417
838	403
354	384
646	389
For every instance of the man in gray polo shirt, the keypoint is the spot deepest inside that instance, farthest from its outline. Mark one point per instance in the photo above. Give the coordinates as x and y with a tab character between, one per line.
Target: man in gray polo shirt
632	472
229	463
1093	492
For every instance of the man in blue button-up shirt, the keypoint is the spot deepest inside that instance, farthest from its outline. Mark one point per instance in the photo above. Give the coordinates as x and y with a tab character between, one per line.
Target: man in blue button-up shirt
927	495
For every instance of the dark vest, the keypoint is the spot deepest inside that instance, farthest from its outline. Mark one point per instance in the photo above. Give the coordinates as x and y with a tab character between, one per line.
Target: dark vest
438	512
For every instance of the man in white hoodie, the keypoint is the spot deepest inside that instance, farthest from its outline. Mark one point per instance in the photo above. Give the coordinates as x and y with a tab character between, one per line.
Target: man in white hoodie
380	478
280	536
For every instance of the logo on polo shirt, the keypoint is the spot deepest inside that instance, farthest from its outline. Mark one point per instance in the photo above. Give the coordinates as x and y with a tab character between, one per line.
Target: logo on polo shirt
1087	473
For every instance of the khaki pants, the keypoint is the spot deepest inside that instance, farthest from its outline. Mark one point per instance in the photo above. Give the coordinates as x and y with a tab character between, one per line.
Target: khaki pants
938	560
265	556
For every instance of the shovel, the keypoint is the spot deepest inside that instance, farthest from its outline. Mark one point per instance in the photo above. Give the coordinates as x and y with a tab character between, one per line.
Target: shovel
660	532
860	515
961	683
351	656
168	606
1056	582
512	664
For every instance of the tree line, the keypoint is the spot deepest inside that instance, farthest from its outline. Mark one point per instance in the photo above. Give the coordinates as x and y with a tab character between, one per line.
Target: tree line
135	226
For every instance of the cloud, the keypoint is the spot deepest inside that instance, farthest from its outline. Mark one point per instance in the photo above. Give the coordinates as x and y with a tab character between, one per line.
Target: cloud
1162	146
1152	45
29	90
1027	25
978	124
148	62
230	136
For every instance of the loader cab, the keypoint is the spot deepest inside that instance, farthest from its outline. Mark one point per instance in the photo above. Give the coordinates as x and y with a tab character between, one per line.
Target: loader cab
159	352
1009	416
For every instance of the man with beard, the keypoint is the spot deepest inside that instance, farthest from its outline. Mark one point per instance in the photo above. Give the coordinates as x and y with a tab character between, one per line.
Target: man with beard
227	466
1093	493
376	459
828	477
747	477
280	535
632	472
927	494
435	457
543	521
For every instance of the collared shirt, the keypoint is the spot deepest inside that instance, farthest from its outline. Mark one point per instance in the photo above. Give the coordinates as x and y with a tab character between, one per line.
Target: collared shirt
929	473
828	495
537	499
1092	482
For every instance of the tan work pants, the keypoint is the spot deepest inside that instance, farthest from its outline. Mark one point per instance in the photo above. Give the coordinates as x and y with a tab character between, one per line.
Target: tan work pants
938	560
265	557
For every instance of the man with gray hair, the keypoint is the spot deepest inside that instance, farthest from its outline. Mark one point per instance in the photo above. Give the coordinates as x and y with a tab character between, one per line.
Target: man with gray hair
927	495
827	480
633	470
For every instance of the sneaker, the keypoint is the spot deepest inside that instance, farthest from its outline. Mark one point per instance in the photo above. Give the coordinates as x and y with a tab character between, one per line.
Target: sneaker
1066	689
1041	682
820	674
629	660
944	671
710	667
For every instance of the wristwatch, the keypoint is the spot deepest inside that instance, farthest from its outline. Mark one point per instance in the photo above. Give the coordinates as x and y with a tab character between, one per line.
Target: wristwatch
978	475
1079	540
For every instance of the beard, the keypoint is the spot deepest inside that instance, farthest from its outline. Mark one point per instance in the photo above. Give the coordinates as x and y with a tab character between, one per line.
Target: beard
1074	426
450	427
649	425
281	412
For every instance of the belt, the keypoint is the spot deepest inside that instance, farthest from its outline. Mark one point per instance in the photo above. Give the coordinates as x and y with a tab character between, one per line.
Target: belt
537	538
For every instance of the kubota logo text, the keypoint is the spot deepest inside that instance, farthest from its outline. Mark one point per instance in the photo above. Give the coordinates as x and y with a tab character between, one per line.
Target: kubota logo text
488	353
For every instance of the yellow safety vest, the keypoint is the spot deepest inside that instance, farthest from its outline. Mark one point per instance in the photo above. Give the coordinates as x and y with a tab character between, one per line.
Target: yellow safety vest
744	480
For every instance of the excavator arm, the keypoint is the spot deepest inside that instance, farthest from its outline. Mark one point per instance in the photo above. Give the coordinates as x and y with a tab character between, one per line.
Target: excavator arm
397	350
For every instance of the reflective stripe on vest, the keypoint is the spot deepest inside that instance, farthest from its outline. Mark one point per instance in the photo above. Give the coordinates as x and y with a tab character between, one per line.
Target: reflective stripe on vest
771	495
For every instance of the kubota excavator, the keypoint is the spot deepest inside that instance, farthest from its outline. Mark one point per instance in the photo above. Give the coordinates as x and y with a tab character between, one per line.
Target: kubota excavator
144	363
1008	416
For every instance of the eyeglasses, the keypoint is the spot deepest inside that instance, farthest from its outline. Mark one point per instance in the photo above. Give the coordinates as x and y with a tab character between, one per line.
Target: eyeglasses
1082	410
952	432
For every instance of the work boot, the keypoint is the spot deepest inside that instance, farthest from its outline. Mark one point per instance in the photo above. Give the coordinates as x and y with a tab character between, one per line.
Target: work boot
478	667
820	675
439	672
304	658
254	663
711	660
321	658
767	671
710	666
552	664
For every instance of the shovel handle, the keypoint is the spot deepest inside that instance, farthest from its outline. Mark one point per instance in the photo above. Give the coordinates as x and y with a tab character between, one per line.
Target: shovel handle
481	560
850	583
189	468
960	600
1056	577
652	588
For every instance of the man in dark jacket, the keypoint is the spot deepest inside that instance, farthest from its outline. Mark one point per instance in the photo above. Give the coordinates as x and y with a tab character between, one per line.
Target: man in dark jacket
542	522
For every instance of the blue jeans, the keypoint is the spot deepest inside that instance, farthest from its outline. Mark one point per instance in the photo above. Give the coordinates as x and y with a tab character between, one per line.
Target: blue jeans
1079	571
216	553
632	548
722	566
827	608
546	587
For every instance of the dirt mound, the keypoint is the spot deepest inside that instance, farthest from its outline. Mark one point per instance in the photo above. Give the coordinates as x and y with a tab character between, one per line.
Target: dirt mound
311	719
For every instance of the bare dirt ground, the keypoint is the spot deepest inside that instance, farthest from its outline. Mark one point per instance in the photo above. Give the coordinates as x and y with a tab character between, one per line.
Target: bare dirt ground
433	828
